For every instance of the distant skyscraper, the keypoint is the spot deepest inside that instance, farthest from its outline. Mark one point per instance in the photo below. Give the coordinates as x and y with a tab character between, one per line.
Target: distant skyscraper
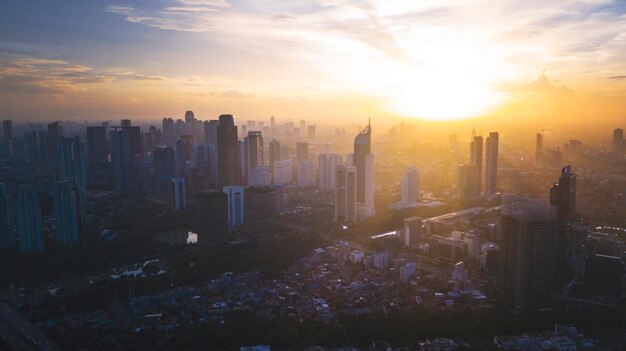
346	194
125	123
305	175
163	161
275	155
121	160
97	150
539	149
410	187
169	133
65	214
29	220
7	239
255	150
328	163
178	194
259	176
563	196
311	132
243	162
210	132
283	172
364	163
526	254
189	117
491	164
618	141
467	189
7	129
184	154
302	152
476	158
412	229
212	217
235	205
227	151
55	134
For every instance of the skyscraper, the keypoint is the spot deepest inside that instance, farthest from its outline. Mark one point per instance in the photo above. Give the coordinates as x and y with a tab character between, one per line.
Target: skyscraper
7	239
163	161
189	117
227	151
235	205
412	230
178	194
243	162
7	129
255	150
283	172
210	131
169	134
121	160
563	196
328	163
259	206
305	175
29	220
275	155
526	254
345	194
410	187
97	151
55	134
476	158
491	164
302	152
212	217
65	214
618	141
184	154
539	149
364	164
467	189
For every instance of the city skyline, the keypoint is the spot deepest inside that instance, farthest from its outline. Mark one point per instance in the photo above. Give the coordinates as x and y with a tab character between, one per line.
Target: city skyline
445	61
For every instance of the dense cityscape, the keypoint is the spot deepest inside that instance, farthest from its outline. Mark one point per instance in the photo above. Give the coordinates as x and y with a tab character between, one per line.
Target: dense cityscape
201	234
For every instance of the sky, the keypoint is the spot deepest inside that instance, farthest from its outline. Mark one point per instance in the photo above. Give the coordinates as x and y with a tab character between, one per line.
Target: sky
332	60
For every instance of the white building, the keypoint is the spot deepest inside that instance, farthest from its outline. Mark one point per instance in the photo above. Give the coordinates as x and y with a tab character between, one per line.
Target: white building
410	187
283	172
328	163
305	176
366	208
412	229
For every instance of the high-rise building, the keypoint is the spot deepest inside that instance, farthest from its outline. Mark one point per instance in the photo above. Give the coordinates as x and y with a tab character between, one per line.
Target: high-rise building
210	132
364	163
283	172
121	160
410	187
311	132
55	134
563	196
163	161
476	158
345	194
97	151
302	152
275	154
7	239
467	189
526	252
235	205
255	150
65	214
491	164
227	152
29	220
618	141
328	163
259	176
169	133
305	175
184	154
189	117
539	149
7	129
178	194
412	231
259	206
243	161
212	217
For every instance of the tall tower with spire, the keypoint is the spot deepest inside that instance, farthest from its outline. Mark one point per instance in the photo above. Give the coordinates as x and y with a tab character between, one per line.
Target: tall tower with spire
364	163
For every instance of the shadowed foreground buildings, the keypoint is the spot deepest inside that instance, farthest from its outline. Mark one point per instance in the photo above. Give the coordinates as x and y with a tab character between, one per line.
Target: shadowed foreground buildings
212	217
526	256
29	219
7	239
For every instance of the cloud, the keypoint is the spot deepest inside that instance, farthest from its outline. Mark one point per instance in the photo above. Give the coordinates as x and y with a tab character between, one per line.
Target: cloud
617	77
37	75
542	86
231	94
